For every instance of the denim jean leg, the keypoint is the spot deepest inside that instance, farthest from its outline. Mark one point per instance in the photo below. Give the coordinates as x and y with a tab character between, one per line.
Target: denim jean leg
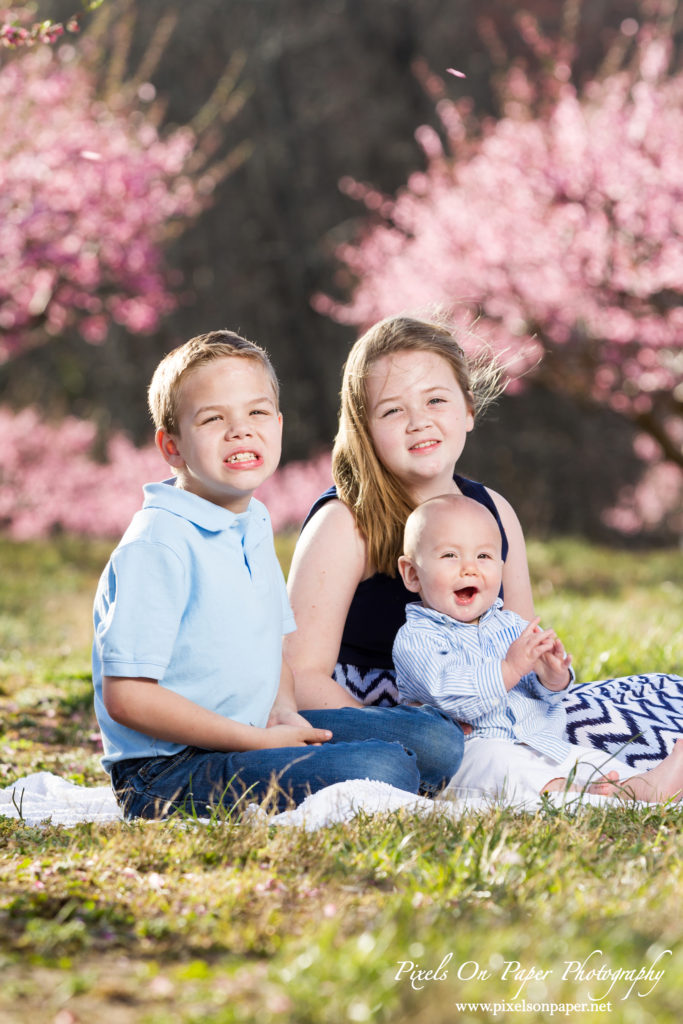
156	787
300	771
436	740
198	781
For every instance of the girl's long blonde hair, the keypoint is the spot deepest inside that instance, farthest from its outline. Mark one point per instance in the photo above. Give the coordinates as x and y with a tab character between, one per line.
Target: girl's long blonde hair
376	497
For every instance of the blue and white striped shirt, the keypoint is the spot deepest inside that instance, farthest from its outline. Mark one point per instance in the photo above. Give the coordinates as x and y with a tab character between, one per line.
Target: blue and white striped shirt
456	667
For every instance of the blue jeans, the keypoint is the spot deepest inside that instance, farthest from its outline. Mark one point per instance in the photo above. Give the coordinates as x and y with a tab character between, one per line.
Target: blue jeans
436	740
367	743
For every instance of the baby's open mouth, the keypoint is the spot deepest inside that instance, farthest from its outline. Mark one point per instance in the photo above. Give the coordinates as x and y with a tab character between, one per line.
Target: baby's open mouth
466	595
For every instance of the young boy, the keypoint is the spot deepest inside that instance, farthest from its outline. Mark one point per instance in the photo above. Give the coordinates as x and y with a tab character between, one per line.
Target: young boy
193	699
460	651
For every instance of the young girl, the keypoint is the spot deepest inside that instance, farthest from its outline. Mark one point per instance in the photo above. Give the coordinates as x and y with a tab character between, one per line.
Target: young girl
409	398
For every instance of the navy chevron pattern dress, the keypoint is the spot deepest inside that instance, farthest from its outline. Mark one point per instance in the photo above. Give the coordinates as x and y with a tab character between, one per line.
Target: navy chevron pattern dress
637	718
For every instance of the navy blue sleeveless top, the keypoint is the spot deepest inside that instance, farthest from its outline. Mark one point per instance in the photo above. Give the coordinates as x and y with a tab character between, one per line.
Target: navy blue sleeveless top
378	607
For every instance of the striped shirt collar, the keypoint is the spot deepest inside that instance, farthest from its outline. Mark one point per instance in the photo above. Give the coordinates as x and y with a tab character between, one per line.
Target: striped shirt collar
416	611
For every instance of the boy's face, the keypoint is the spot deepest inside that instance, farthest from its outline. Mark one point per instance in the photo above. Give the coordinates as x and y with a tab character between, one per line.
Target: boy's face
230	432
456	563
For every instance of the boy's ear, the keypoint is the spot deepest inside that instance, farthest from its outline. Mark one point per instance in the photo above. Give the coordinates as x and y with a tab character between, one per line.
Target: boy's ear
167	445
408	574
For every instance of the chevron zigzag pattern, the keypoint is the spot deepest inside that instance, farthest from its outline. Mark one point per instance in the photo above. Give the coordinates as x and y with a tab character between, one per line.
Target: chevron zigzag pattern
375	687
637	718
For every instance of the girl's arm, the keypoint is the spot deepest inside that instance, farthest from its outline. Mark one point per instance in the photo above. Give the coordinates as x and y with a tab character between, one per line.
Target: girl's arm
284	710
516	581
328	564
143	705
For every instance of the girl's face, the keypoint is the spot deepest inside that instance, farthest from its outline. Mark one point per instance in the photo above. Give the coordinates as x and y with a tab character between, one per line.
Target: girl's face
418	418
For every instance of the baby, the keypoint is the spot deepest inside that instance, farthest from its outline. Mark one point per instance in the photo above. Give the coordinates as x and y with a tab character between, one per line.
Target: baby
461	652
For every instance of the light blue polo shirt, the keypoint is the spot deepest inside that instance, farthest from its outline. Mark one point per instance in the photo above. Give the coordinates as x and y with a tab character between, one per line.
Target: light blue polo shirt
194	597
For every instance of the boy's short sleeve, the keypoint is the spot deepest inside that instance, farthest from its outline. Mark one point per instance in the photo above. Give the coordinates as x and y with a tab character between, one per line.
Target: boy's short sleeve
140	604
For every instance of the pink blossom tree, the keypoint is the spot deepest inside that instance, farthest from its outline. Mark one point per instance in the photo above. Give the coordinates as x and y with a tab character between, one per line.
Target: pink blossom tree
91	187
87	195
50	482
559	226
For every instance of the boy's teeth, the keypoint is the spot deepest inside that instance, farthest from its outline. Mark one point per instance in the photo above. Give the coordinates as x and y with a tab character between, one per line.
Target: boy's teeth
241	457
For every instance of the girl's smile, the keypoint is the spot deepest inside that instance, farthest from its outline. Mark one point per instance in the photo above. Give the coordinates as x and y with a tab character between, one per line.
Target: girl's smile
424	446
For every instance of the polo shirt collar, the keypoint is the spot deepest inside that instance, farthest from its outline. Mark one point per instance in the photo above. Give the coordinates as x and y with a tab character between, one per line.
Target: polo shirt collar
204	514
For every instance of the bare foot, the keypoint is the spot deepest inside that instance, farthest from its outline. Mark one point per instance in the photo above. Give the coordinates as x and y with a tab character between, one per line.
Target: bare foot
606	781
661	783
605	787
554	786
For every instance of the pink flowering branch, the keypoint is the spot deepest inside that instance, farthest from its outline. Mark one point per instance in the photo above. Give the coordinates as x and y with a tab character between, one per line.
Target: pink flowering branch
14	34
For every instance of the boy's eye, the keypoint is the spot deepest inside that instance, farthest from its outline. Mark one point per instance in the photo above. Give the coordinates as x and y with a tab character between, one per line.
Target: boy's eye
435	400
483	554
448	554
210	419
260	412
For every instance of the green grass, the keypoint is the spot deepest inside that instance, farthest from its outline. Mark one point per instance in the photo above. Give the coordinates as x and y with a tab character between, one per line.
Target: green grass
241	921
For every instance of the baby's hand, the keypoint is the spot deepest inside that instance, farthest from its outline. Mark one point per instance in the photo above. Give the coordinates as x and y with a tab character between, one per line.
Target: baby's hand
524	652
553	667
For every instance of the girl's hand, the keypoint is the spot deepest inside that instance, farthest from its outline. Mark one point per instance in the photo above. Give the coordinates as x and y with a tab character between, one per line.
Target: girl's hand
282	715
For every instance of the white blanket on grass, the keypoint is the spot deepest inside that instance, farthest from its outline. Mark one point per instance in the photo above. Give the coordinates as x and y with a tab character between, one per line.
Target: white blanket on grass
46	798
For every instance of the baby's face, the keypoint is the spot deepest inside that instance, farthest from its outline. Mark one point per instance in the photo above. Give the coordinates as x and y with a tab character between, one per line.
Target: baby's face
458	562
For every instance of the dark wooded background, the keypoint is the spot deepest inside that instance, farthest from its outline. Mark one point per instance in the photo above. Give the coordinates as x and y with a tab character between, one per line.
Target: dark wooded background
332	93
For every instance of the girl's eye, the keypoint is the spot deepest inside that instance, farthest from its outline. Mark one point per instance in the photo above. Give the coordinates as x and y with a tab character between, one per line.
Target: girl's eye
483	554
435	400
388	412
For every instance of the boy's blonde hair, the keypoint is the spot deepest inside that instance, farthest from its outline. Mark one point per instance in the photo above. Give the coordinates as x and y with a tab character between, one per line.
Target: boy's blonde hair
377	498
166	384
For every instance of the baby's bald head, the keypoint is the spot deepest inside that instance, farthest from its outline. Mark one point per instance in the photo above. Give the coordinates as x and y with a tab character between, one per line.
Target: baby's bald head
452	511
